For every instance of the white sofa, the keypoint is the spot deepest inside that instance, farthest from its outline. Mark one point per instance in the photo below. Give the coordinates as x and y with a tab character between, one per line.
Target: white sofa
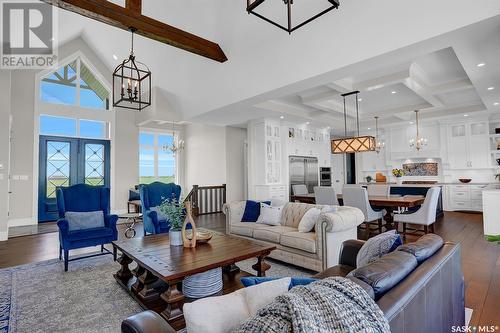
316	250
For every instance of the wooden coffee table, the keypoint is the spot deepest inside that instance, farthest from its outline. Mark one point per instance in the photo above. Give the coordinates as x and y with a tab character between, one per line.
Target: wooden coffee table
154	282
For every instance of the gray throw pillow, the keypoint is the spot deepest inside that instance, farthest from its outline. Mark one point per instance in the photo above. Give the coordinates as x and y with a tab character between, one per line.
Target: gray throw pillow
377	246
84	220
161	216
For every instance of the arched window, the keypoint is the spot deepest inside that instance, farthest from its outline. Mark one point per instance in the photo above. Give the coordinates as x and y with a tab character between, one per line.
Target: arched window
74	84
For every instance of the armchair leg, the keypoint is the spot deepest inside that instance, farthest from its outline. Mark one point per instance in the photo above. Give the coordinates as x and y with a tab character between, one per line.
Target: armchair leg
404	231
60	252
114	253
432	228
380	226
66	259
102	248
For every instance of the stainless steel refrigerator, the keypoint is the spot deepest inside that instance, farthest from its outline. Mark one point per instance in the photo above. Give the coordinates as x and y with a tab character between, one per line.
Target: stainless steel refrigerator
304	170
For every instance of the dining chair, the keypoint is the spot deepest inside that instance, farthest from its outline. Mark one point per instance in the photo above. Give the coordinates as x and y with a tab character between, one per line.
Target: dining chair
425	215
379	190
358	197
325	195
300	189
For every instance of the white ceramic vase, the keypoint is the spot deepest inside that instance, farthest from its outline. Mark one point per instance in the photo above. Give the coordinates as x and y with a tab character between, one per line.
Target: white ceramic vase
175	237
399	180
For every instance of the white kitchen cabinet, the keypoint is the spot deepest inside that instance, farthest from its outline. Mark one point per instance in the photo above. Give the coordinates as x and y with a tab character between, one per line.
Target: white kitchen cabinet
465	197
270	192
468	145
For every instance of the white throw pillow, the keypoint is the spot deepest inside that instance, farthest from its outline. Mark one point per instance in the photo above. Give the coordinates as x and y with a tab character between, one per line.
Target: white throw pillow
270	215
221	314
309	219
216	314
262	294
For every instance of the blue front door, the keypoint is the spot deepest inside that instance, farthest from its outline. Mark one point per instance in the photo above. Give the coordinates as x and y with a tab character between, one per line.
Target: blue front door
69	161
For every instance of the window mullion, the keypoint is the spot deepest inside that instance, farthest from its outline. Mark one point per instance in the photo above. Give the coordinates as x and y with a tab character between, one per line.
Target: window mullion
78	81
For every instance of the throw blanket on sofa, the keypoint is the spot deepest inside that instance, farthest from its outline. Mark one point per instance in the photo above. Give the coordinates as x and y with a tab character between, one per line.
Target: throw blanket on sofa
333	304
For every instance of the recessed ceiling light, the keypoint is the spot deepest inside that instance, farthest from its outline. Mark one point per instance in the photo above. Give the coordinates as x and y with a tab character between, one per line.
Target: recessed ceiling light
496	103
393	92
411	122
368	128
282	117
360	99
481	64
115	57
307	123
466	115
491	88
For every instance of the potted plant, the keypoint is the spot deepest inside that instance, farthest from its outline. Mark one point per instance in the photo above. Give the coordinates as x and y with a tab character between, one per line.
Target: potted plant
398	173
174	211
368	179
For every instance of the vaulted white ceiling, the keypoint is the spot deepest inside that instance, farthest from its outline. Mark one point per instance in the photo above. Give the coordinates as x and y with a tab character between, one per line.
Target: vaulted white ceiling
407	46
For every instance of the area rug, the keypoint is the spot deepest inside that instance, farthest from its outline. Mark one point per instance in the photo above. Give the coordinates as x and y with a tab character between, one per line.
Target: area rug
41	297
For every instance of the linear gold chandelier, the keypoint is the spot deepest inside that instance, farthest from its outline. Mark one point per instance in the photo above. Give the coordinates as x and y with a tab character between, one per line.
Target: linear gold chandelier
355	144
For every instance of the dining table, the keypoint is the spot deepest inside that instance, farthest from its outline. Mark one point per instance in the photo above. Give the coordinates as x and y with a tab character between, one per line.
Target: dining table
388	203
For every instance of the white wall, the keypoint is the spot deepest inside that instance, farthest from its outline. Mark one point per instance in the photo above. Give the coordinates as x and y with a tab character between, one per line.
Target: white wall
4	151
235	163
205	155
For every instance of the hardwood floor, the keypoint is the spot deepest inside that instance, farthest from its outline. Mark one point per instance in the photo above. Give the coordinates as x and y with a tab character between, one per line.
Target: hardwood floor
480	259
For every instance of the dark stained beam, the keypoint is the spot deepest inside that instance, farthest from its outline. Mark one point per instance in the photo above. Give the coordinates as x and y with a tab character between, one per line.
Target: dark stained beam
130	16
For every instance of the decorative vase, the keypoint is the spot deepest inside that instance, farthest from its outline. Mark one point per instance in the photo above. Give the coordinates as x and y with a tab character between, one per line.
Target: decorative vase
399	180
175	237
188	242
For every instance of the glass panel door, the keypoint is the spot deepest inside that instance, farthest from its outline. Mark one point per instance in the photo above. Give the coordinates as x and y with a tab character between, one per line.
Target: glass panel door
68	161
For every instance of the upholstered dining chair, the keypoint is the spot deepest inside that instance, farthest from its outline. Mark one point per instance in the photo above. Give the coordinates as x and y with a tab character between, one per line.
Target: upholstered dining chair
300	189
84	220
152	196
425	215
379	190
358	197
325	195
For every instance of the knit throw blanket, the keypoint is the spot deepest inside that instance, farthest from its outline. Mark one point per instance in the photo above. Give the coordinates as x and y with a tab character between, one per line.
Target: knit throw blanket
333	304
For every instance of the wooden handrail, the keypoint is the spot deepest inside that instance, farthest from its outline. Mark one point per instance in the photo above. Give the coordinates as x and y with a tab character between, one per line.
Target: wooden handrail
207	199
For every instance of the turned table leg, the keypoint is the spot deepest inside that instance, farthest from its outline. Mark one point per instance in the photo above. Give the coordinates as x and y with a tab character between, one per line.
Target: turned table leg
261	266
138	285
124	274
147	293
175	300
389	218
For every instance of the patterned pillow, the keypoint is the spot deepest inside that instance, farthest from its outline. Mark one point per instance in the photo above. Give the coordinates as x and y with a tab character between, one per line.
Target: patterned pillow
269	215
377	246
252	211
84	220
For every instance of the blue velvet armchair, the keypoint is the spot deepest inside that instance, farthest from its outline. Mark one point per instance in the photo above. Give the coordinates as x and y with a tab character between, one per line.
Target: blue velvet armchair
84	198
152	195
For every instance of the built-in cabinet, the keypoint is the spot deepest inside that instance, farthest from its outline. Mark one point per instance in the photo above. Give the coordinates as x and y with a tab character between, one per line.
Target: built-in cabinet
468	145
464	197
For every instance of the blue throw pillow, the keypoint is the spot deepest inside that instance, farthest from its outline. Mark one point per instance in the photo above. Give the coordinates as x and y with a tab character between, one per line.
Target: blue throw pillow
84	220
295	281
252	211
378	246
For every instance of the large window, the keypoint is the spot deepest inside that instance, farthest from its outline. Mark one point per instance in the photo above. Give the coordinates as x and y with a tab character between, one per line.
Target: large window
74	84
156	161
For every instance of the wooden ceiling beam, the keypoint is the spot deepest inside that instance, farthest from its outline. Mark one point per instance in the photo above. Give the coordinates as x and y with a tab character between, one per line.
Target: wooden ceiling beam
130	16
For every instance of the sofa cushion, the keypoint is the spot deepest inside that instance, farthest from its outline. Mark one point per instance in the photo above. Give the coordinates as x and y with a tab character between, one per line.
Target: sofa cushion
309	220
270	215
92	233
424	247
293	213
386	272
245	229
252	211
305	241
377	246
84	220
271	233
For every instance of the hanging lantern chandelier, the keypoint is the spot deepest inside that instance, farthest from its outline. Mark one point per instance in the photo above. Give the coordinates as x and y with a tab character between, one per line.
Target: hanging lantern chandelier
177	145
356	144
379	144
253	5
132	83
418	142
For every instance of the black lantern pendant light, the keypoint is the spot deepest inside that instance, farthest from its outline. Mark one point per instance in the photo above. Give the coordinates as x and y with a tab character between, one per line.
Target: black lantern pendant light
132	83
253	4
355	144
